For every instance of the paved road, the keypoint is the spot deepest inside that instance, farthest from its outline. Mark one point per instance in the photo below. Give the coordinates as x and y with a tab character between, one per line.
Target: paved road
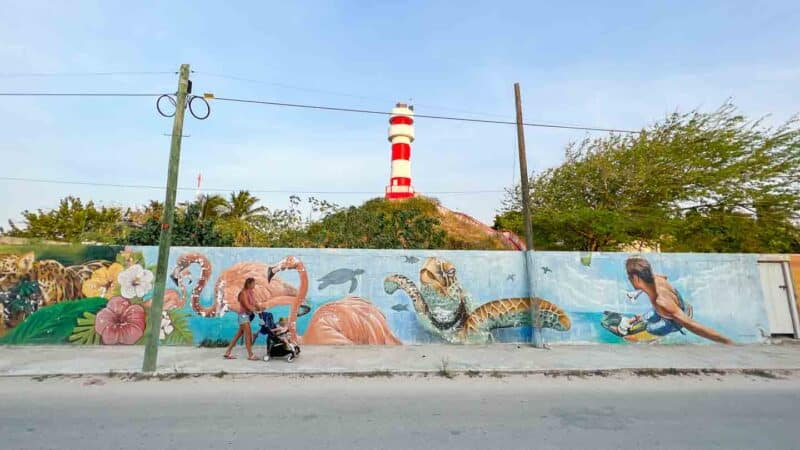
255	412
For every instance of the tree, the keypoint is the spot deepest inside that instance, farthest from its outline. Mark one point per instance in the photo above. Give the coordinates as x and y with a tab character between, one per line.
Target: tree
379	223
668	184
242	206
137	217
242	220
190	230
72	221
209	206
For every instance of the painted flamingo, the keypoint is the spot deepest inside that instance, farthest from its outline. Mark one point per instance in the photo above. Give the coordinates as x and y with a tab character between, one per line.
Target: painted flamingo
227	287
351	320
172	298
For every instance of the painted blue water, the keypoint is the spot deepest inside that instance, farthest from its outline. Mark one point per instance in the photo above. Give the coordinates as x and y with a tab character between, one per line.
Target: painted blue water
723	289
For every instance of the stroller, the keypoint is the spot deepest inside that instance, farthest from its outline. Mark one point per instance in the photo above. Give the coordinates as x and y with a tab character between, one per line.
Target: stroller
275	347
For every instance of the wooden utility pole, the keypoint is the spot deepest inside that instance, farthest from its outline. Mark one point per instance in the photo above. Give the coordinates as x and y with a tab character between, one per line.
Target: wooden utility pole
167	221
526	214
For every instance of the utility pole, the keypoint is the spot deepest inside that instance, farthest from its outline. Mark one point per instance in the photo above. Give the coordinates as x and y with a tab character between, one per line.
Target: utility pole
167	221
526	214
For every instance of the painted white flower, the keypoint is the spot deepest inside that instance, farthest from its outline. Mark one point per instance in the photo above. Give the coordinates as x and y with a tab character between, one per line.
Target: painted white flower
166	326
135	281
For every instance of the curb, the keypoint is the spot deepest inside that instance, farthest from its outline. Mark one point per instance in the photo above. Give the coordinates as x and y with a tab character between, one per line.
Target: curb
770	373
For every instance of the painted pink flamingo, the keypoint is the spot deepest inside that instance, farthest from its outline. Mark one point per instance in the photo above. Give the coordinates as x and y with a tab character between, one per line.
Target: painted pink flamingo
228	285
172	298
351	320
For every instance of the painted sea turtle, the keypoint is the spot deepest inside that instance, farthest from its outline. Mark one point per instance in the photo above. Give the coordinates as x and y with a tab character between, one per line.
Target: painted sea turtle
341	276
447	310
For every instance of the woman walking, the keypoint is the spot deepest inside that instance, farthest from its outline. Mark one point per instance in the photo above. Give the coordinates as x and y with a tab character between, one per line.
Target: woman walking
247	308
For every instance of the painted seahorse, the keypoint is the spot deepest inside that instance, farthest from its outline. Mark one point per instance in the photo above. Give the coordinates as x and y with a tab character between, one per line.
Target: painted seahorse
445	309
229	284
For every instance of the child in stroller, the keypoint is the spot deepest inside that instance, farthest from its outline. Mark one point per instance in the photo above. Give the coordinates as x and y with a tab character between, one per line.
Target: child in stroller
276	345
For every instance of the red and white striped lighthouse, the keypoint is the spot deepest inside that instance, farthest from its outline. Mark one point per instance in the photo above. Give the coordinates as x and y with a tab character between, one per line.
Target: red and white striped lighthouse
401	135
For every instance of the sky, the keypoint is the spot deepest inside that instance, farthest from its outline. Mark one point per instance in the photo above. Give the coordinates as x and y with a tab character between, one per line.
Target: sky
583	63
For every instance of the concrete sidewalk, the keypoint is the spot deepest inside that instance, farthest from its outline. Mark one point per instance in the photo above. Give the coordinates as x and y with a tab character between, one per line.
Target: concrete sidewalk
433	359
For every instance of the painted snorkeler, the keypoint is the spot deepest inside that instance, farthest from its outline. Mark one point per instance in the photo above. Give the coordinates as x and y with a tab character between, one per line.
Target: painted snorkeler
670	312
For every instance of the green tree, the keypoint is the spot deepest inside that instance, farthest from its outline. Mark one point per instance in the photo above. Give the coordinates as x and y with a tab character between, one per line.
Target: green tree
672	183
379	223
210	206
72	221
243	220
191	230
242	206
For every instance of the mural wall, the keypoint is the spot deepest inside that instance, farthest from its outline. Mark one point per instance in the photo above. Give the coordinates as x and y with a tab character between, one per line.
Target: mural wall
102	295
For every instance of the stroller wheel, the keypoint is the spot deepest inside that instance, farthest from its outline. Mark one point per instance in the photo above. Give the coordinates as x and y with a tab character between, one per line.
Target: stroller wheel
290	358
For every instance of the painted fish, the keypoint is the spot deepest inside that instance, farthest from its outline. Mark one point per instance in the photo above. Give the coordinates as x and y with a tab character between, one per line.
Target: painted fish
510	277
341	276
400	307
410	259
546	269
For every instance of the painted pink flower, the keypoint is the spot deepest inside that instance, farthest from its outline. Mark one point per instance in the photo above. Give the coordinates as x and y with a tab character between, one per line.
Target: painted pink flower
120	322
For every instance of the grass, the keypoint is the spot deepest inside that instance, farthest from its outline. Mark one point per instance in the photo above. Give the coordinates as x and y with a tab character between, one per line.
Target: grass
213	343
760	373
378	374
444	369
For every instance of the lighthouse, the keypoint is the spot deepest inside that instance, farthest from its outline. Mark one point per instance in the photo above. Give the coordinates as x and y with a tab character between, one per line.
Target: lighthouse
401	135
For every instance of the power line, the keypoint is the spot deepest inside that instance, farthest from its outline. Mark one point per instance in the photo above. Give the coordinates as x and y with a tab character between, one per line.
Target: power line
260	191
319	107
76	94
283	85
80	74
425	116
343	94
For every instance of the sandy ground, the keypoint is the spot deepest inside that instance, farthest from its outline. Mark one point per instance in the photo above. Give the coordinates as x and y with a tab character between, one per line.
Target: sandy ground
389	412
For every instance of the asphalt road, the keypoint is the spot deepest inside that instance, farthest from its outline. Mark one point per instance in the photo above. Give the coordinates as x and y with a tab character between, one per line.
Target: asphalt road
258	412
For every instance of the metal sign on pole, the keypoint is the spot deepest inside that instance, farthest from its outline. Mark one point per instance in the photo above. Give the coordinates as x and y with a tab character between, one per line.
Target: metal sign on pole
536	337
167	222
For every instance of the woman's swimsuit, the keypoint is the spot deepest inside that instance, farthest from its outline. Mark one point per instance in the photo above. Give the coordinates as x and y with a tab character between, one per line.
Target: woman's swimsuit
244	316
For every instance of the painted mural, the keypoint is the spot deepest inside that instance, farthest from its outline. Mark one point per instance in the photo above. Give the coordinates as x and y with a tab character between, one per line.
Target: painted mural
100	301
102	296
444	308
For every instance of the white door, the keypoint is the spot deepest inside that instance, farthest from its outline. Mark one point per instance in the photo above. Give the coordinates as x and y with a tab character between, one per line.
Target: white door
776	297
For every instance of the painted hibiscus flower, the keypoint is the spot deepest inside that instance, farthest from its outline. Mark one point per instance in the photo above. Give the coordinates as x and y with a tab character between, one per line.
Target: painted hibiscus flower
120	322
135	281
103	281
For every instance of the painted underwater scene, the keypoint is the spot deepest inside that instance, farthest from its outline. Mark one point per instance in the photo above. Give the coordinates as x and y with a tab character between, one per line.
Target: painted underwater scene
97	295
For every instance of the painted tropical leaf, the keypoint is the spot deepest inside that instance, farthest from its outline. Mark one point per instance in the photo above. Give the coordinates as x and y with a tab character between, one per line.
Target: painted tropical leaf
143	339
53	324
130	259
27	288
181	333
84	333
